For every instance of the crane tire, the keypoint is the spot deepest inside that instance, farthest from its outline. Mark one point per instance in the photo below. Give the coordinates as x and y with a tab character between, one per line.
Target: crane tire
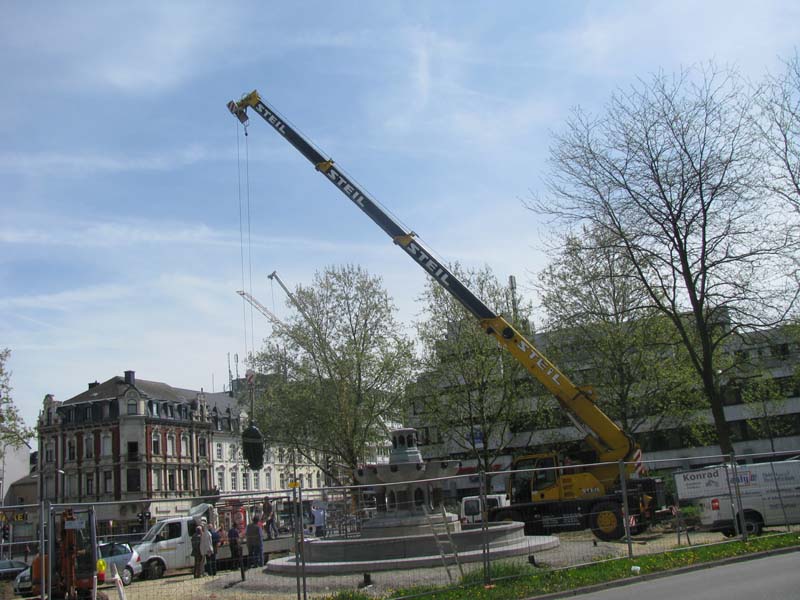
606	521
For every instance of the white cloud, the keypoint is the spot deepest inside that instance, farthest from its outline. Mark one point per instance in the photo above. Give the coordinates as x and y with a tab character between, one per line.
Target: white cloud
146	47
634	38
76	163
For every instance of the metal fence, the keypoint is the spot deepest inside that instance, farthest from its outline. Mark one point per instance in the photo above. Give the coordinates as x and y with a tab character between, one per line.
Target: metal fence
411	535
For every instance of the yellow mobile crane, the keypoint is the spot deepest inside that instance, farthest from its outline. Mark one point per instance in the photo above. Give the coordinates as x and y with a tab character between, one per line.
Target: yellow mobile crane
551	494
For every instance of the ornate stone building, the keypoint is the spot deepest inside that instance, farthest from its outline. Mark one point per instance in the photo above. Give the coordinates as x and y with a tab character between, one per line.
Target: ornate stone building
144	444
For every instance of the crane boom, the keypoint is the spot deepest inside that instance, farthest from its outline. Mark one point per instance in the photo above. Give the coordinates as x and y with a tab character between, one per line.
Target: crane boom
262	309
601	433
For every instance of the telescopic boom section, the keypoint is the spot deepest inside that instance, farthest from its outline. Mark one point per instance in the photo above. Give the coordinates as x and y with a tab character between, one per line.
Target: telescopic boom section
602	434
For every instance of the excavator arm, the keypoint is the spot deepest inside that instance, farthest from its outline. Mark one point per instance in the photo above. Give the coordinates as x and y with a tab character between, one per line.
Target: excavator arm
600	432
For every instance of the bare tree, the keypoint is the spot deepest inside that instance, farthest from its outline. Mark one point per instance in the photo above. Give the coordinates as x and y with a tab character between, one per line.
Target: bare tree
601	320
779	100
670	175
338	372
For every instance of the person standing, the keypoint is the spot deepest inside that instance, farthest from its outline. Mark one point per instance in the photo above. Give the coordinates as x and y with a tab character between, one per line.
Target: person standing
272	528
255	544
318	512
205	544
199	560
211	565
233	541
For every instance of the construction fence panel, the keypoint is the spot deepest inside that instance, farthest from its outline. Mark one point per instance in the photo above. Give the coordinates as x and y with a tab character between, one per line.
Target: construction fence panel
414	534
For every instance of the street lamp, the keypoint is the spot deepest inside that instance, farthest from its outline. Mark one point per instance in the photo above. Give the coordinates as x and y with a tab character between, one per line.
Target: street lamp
61	487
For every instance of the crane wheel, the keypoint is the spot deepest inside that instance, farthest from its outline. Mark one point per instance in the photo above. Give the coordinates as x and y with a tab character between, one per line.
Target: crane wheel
606	521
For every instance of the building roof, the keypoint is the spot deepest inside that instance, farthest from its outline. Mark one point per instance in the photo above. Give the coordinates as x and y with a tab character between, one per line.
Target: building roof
154	390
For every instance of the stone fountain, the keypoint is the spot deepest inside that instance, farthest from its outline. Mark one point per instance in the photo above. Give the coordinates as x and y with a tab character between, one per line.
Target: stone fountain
408	493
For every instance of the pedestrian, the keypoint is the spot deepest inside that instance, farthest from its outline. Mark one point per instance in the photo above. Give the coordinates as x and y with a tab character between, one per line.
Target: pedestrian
272	528
255	543
211	564
199	559
233	541
205	543
27	552
318	512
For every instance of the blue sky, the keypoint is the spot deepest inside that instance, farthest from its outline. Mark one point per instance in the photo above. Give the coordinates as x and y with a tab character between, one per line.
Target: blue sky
119	214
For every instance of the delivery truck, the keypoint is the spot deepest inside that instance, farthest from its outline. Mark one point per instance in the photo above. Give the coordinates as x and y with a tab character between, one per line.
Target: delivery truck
769	492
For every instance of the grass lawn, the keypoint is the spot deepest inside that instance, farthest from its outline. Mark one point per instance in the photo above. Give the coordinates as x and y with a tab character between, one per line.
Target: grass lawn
521	581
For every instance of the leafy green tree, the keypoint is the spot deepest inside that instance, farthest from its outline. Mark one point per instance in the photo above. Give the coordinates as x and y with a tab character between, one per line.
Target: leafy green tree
604	330
337	371
472	391
13	431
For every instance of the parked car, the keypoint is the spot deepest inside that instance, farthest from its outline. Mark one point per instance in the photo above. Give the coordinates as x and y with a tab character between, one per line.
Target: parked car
124	557
9	569
23	586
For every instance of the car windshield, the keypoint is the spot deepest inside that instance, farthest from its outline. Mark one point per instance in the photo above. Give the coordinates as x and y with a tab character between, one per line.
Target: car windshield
471	507
151	535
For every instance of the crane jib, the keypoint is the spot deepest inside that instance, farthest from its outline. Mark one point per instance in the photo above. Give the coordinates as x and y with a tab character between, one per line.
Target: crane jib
413	248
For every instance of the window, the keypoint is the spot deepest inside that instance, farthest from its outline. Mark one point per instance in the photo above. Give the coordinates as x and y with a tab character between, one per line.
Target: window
184	445
156	443
88	445
232	452
48	453
170	445
134	480
90	485
133	450
185	478
201	447
156	480
269	480
219	451
171	480
108	482
221	481
71	450
106	449
234	478
171	531
257	480
245	481
283	481
132	407
203	480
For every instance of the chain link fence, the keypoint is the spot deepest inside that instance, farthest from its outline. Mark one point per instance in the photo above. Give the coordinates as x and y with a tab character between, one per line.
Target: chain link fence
408	535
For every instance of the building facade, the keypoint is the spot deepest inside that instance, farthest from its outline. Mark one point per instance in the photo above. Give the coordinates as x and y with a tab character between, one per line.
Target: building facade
146	447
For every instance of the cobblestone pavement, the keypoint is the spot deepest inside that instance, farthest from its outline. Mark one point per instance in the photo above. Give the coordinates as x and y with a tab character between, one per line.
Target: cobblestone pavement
576	548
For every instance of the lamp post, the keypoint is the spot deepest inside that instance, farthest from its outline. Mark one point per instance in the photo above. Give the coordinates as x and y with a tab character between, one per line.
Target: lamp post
63	474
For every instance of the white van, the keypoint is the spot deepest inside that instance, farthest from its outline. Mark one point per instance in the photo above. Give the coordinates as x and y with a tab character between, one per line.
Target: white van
167	545
770	495
471	506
